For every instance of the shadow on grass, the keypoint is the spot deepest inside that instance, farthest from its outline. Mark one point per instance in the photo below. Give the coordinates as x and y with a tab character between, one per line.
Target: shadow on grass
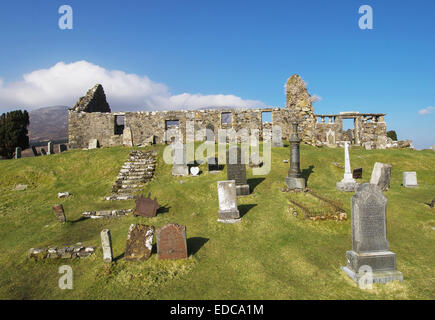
119	257
163	209
78	220
194	244
254	182
244	208
307	172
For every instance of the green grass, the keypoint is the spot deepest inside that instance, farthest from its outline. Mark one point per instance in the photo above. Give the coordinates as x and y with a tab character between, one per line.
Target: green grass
269	255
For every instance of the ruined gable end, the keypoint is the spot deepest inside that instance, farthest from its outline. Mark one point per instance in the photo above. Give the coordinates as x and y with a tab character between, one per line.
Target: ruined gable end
93	101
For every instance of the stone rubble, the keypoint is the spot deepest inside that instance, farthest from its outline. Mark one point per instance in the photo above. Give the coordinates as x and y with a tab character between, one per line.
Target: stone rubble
134	174
69	252
106	214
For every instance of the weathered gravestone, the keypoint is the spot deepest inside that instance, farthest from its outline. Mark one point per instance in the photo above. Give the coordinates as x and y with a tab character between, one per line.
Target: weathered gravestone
410	179
127	137
179	166
93	144
381	175
236	169
277	136
106	244
59	213
50	148
17	153
139	242
357	173
171	242
228	212
369	239
213	166
146	207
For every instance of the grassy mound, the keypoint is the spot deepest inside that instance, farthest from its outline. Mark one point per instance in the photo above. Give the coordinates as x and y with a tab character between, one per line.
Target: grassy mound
269	255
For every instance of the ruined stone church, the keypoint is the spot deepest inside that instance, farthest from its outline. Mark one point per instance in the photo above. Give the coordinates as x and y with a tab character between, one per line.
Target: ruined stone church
91	118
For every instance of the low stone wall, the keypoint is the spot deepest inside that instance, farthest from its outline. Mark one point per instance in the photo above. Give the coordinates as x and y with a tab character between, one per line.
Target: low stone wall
70	252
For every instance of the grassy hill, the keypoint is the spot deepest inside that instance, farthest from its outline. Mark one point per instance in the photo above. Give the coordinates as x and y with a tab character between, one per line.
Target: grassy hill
269	255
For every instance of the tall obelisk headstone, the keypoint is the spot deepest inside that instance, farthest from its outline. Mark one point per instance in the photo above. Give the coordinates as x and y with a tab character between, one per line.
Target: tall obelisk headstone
295	179
348	183
370	250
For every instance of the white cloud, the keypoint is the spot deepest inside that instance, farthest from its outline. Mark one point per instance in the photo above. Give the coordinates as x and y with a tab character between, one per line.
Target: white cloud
65	83
427	110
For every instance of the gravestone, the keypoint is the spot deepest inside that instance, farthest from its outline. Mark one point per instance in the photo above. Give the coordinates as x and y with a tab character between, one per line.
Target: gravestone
106	244
213	166
43	152
227	195
50	148
194	171
93	144
409	179
277	136
347	184
369	239
254	160
381	175
59	213
171	242
294	180
179	166
209	134
17	153
127	137
145	207
35	153
236	169
139	242
357	173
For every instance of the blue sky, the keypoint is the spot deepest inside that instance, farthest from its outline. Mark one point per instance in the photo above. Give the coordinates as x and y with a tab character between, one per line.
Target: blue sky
240	49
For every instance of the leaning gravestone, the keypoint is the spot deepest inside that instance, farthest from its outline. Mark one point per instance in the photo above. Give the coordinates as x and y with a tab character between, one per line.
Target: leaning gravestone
59	213
410	179
139	242
171	242
381	175
228	212
236	169
17	153
106	244
145	207
369	239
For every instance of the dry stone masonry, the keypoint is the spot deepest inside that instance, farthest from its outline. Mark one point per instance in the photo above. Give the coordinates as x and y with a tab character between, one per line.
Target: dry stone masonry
69	252
91	118
136	171
106	214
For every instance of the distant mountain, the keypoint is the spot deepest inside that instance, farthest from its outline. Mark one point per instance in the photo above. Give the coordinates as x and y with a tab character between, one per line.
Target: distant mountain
49	123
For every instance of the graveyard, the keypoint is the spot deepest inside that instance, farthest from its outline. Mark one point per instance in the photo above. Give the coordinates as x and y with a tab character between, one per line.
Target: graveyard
287	245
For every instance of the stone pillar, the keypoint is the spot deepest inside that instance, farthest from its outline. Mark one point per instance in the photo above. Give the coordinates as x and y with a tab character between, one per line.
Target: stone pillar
370	250
106	244
228	212
50	148
295	179
17	153
348	183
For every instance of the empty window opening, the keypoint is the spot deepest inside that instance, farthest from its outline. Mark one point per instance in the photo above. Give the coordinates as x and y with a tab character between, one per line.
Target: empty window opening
266	117
119	124
226	118
172	123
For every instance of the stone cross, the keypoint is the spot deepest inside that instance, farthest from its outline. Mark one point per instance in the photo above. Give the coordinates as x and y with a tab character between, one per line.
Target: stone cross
106	244
17	152
347	183
236	169
410	179
171	242
369	237
139	242
295	179
228	212
59	213
381	175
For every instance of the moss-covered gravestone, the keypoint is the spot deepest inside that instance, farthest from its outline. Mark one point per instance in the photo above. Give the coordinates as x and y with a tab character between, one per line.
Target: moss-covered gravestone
139	242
